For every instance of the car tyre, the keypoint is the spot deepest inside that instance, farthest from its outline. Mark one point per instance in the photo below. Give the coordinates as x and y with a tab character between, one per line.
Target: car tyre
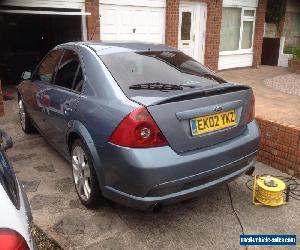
84	176
25	121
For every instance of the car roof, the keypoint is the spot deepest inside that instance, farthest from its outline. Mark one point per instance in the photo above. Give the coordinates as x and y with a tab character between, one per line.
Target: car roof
109	47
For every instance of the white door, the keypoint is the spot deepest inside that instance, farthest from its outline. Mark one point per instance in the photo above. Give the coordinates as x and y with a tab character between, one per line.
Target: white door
192	24
132	23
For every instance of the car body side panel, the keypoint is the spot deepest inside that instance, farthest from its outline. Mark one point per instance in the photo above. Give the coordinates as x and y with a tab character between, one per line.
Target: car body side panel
102	104
15	212
58	116
18	220
31	93
98	110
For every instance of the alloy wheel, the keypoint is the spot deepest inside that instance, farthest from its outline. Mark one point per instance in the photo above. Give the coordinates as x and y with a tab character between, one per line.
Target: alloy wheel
81	173
22	114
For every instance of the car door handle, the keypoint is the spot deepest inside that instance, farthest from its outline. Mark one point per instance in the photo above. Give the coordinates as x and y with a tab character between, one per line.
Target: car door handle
67	109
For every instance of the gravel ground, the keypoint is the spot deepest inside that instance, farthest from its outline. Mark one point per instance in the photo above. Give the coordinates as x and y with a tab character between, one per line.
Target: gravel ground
289	83
42	241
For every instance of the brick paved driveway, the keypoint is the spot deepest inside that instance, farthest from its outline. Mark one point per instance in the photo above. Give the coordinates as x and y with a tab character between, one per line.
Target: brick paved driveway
206	222
270	103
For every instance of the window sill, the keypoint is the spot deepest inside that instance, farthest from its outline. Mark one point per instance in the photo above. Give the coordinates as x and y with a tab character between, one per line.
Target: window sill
236	52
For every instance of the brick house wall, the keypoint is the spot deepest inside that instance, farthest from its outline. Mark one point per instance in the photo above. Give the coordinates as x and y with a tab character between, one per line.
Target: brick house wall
93	21
172	23
259	32
213	29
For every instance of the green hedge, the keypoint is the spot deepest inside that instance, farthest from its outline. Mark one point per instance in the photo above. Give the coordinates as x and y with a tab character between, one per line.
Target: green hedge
292	50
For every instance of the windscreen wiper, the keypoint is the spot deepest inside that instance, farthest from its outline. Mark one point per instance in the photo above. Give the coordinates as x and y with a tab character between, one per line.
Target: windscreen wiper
159	86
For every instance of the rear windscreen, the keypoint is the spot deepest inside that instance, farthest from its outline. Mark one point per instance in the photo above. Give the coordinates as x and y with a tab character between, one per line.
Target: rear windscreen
163	67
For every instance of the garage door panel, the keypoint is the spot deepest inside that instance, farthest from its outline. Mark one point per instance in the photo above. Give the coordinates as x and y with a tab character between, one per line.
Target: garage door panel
157	18
139	16
125	16
108	16
132	23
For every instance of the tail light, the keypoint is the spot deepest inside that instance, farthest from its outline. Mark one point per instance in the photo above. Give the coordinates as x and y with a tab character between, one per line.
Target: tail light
138	130
251	113
11	240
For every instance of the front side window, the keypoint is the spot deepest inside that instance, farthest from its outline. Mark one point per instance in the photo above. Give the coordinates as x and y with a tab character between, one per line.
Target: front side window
69	73
8	180
47	68
237	29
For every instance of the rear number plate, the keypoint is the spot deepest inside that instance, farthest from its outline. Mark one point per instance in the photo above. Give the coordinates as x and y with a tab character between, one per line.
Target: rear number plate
209	123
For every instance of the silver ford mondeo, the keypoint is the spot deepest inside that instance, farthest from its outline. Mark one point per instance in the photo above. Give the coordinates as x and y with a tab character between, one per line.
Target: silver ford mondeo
141	124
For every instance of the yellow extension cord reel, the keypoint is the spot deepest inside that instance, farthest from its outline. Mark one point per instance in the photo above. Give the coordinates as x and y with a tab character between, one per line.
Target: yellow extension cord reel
269	191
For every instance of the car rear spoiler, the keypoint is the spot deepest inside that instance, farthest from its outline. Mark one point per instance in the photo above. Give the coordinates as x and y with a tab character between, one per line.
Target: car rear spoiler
202	93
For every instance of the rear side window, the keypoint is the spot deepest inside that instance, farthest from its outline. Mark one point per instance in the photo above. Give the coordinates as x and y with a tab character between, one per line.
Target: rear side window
8	180
163	67
69	73
78	81
47	68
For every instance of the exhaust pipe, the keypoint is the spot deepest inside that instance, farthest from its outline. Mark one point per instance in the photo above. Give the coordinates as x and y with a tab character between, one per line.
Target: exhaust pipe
157	208
250	171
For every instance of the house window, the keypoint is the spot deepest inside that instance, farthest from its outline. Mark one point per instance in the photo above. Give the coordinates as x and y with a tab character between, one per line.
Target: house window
237	29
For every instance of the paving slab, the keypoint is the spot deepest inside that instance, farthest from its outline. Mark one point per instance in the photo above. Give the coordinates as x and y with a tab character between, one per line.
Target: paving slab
270	102
205	222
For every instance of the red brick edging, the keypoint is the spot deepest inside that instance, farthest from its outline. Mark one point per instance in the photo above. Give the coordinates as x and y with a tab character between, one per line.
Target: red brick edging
294	66
279	145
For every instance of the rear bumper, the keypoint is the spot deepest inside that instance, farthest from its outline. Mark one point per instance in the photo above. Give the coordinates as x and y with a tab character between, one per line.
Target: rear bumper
145	203
141	178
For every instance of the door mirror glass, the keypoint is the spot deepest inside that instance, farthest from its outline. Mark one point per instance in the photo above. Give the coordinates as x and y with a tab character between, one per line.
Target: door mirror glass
6	141
26	75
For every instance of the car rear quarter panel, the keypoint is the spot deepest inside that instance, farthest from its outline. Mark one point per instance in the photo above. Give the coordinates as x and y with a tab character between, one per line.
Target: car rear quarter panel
103	104
101	107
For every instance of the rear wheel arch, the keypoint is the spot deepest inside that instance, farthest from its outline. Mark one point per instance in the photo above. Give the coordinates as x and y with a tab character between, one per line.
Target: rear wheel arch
72	137
26	122
79	131
19	96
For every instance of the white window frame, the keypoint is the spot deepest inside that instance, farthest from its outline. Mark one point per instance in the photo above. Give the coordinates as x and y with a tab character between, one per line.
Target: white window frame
243	18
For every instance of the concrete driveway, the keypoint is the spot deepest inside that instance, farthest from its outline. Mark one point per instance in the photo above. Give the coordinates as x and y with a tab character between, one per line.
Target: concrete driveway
206	222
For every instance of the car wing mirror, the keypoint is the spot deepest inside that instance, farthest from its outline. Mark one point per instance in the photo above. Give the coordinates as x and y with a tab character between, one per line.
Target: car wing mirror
6	141
26	75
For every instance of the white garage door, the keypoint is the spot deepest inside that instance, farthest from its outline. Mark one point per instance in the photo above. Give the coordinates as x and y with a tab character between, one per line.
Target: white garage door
133	22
